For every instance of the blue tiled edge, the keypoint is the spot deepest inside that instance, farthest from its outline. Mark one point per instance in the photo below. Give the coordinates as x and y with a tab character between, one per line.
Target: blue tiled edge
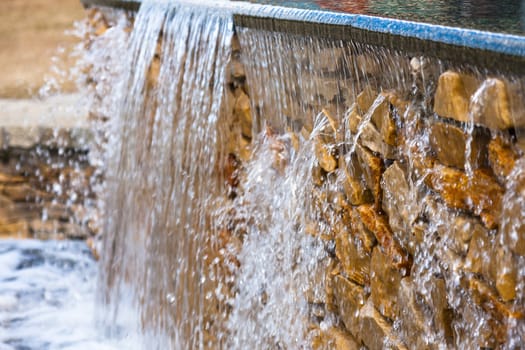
505	44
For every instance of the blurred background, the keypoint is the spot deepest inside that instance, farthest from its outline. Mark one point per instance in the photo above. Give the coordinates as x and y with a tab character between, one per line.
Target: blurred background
31	33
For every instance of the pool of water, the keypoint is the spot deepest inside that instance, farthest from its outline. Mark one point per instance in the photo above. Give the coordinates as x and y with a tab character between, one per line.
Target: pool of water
505	16
47	297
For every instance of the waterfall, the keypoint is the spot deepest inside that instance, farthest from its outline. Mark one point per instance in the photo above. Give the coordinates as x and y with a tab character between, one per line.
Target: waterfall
162	175
279	190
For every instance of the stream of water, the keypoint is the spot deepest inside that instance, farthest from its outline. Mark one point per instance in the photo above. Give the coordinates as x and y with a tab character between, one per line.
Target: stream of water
204	248
48	297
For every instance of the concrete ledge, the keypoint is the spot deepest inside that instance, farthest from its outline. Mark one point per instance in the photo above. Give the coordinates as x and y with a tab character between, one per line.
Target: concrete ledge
58	122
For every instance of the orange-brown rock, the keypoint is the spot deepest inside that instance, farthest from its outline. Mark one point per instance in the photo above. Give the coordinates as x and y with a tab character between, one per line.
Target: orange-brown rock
237	69
384	284
441	316
371	138
488	300
480	253
480	194
376	332
45	228
400	104
459	231
97	21
338	201
244	148
354	259
477	329
15	229
332	271
354	119
73	230
324	156
378	225
334	339
318	175
9	179
11	212
372	167
333	122
501	158
152	76
398	202
315	290
383	120
454	229
365	99
513	214
23	192
231	167
411	316
417	233
425	319
94	247
506	274
350	177
450	143
242	111
349	298
364	238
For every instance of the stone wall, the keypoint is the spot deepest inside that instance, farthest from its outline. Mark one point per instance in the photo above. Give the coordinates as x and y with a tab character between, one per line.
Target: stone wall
418	187
46	174
411	197
422	214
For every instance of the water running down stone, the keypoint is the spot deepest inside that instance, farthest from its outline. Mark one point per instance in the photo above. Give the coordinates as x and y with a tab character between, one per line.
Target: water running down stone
314	200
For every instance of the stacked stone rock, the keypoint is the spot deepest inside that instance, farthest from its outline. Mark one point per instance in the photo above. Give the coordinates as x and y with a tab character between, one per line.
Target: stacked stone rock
45	183
412	197
425	229
425	225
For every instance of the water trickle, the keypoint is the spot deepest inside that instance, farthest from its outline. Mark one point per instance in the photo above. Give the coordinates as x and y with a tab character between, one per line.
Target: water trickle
364	200
279	257
162	174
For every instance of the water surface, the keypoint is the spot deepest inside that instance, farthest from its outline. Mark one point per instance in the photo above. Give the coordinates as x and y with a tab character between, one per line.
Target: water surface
47	297
506	16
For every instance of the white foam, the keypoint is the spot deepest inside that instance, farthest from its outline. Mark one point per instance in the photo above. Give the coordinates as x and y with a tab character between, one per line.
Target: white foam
47	297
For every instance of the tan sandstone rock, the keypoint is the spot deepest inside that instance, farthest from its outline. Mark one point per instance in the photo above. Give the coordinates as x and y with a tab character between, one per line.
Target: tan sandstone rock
324	156
450	142
491	106
334	339
397	202
452	96
354	259
383	120
349	298
376	332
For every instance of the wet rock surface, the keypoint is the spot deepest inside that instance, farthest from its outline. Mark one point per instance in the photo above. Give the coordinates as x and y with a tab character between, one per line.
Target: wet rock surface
372	200
418	216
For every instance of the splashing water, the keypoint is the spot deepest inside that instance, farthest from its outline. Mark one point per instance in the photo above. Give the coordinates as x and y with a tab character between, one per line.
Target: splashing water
271	308
162	175
44	284
345	188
